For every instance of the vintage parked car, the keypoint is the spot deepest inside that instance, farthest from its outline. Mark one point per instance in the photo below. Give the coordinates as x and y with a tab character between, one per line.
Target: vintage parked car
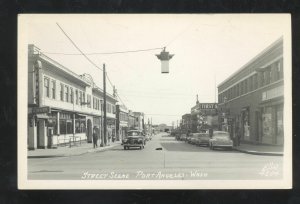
203	138
193	138
183	137
220	139
134	138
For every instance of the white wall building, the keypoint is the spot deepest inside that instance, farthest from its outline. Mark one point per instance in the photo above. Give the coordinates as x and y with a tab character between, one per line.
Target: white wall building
62	105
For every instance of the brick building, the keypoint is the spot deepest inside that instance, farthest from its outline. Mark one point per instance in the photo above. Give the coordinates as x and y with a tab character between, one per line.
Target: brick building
251	99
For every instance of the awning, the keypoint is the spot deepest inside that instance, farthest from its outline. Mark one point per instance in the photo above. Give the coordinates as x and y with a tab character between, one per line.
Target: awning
39	116
80	115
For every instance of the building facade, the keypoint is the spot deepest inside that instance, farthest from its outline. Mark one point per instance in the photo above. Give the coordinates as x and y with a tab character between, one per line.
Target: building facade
251	100
139	121
122	124
203	116
62	106
131	120
186	122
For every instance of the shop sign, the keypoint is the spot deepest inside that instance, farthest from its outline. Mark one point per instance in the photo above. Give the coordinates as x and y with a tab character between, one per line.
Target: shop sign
208	106
272	93
46	109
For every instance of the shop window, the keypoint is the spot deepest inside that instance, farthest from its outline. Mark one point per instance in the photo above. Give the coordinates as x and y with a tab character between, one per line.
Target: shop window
279	125
267	125
53	86
46	84
246	123
80	126
52	122
66	126
61	92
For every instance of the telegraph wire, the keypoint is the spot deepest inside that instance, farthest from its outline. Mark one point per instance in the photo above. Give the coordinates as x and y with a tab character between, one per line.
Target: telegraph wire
82	53
106	53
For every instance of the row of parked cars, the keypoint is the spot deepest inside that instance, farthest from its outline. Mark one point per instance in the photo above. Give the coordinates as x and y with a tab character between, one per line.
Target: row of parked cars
215	139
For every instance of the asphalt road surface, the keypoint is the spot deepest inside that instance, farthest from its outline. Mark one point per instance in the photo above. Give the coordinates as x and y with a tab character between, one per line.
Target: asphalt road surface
176	160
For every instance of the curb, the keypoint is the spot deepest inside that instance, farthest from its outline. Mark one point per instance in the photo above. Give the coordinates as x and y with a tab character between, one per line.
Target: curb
259	153
74	154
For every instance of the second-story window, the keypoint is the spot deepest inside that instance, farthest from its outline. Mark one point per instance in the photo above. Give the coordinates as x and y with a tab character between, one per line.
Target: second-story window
255	82
53	86
279	71
71	95
46	84
61	92
76	96
66	93
80	97
88	100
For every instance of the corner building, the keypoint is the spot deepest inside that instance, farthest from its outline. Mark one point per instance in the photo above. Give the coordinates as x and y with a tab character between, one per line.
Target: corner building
251	99
62	105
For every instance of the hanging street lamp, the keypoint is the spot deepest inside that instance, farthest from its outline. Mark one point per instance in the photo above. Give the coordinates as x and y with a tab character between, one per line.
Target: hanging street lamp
164	58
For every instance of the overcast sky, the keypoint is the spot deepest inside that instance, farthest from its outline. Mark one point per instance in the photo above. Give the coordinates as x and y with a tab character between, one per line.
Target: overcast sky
207	48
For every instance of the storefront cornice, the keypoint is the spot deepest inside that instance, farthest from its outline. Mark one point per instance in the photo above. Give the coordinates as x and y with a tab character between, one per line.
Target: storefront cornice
264	87
59	69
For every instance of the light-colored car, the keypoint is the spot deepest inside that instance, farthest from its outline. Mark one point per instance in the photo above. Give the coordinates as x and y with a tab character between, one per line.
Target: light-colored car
220	139
203	138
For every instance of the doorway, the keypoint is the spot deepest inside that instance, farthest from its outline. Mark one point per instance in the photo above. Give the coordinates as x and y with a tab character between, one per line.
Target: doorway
89	132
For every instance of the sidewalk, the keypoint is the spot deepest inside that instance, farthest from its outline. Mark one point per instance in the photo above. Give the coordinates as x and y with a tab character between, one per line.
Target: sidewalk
67	151
260	149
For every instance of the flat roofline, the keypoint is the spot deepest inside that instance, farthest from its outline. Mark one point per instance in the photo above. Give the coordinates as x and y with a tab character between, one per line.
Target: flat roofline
56	64
278	41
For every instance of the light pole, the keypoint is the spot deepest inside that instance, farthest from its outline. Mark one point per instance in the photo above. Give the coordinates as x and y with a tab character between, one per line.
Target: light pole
102	134
225	113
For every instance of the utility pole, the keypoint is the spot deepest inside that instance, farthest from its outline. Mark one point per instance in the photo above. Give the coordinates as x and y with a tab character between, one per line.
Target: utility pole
104	106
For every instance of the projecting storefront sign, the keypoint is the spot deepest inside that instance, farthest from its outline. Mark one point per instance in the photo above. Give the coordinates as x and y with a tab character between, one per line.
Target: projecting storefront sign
205	106
208	106
46	109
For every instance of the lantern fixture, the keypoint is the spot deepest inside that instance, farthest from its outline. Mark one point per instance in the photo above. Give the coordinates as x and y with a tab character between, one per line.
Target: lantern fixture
164	58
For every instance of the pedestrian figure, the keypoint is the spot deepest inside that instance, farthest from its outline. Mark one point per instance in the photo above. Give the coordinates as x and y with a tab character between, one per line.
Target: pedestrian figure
95	137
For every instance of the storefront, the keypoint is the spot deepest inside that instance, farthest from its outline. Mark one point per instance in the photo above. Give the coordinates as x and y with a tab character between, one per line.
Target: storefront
111	129
272	124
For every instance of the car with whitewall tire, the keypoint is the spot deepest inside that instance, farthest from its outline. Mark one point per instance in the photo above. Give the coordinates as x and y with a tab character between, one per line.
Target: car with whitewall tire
220	139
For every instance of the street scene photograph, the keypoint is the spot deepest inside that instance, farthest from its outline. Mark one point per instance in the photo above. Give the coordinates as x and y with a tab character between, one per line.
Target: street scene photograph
122	101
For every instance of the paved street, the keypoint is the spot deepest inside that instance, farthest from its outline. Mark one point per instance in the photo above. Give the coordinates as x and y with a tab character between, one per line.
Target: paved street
176	160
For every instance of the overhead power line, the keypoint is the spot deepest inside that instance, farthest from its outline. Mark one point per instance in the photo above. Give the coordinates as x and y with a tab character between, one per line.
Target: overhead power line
105	53
82	53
